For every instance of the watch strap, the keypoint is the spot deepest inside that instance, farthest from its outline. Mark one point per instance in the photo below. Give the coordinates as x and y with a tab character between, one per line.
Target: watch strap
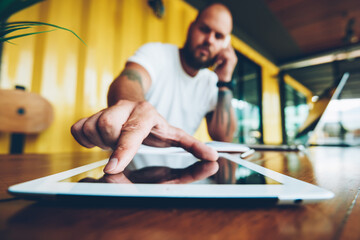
229	85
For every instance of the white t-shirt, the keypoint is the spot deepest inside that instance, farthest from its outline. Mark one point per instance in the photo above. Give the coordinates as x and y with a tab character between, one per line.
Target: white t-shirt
181	99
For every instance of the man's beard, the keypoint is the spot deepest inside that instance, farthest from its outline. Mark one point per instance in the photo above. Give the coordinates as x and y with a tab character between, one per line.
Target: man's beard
192	61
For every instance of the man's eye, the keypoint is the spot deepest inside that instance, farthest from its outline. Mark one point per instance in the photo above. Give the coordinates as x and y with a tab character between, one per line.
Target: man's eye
219	36
205	29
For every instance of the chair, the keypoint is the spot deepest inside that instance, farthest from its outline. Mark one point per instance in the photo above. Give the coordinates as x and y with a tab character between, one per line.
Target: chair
21	113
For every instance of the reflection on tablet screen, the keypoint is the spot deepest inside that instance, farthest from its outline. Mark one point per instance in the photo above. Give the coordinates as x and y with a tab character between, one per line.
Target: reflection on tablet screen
178	169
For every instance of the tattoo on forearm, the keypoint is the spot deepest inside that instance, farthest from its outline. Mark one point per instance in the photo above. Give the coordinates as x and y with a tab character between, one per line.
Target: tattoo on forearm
223	109
133	75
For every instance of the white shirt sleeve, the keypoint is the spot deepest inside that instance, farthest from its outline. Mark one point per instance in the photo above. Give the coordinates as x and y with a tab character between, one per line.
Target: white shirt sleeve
150	56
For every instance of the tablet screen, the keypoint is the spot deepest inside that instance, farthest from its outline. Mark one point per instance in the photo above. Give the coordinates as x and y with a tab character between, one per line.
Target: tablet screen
180	169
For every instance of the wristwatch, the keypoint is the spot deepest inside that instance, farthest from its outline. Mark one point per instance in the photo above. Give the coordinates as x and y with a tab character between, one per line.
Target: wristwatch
229	85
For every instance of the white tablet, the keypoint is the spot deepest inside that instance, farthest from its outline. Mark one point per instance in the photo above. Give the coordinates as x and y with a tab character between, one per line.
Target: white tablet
176	180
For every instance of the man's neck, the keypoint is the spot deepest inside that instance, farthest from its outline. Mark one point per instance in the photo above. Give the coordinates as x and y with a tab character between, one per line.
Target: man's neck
188	69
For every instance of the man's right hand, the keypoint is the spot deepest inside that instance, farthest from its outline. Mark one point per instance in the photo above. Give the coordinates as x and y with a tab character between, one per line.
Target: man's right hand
124	126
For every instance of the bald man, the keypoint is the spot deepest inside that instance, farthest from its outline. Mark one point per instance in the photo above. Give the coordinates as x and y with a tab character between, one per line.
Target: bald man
163	93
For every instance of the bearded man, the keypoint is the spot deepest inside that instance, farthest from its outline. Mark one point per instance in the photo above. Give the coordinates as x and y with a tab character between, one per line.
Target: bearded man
163	93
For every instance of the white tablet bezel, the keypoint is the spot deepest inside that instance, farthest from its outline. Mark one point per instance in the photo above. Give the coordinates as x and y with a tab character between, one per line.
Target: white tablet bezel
290	191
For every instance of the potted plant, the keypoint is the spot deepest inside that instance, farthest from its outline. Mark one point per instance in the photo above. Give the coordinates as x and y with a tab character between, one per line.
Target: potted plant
7	29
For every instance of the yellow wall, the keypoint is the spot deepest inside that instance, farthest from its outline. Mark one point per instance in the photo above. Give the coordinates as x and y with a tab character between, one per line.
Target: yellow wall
75	77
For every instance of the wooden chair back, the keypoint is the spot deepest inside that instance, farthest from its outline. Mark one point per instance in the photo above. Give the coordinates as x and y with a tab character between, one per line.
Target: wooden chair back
24	112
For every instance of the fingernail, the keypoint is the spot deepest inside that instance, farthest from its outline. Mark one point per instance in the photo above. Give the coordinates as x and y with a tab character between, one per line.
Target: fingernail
111	165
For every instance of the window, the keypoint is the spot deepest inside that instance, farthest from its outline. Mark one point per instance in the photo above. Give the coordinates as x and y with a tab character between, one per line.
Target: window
247	101
295	113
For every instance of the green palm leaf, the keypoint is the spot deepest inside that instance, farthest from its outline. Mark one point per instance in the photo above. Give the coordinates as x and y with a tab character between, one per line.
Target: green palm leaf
23	35
10	30
10	27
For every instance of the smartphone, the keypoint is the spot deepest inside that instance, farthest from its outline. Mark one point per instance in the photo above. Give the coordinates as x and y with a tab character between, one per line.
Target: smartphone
227	41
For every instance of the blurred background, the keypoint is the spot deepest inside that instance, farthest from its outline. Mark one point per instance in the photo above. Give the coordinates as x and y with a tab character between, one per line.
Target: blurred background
292	56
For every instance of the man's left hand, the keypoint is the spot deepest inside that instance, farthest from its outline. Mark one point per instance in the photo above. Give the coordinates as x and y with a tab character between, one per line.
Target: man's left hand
225	63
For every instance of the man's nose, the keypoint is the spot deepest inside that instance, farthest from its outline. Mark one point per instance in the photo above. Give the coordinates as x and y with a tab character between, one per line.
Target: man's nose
210	38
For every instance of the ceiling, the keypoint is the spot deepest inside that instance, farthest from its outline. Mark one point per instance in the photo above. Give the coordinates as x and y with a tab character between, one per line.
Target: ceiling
293	34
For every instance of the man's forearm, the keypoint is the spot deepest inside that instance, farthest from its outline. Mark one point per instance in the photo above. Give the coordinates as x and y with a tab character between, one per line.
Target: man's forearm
222	123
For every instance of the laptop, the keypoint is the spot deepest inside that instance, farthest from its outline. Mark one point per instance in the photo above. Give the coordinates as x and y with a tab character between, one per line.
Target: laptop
306	131
176	180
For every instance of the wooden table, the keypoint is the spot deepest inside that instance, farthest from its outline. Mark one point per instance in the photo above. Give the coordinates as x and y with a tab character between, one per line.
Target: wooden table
336	169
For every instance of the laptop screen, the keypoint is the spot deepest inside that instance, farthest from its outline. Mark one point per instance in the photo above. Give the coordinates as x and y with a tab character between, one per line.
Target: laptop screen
318	110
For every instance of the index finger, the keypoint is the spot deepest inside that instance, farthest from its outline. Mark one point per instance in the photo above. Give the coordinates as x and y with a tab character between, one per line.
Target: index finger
134	131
